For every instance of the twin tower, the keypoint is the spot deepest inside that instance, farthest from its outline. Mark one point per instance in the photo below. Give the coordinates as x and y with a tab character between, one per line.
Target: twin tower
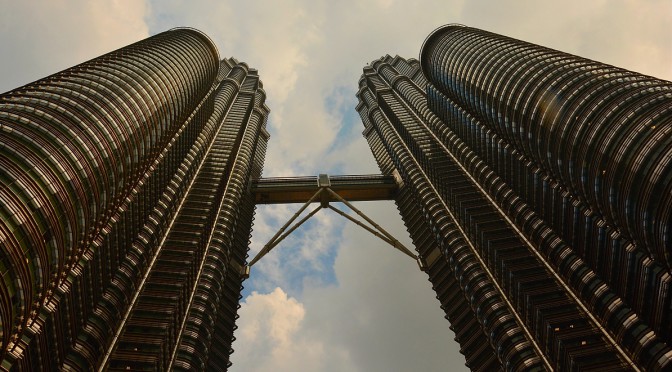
536	187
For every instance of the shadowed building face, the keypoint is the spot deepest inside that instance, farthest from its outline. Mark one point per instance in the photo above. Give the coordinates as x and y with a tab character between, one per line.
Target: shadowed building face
123	207
538	191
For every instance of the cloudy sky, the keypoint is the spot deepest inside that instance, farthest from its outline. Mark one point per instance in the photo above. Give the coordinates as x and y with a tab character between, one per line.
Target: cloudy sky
330	298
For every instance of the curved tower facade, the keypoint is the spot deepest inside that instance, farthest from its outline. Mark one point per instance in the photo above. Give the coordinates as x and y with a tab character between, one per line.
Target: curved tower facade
123	205
536	186
538	189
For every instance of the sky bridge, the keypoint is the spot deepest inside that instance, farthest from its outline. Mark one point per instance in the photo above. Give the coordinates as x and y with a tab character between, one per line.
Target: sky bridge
281	190
326	189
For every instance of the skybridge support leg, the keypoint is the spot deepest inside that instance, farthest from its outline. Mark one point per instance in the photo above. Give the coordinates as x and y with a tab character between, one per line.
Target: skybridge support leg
322	195
275	239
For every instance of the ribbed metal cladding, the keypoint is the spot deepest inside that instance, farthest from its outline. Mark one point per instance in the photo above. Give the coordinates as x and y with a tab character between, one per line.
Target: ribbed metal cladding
587	147
185	314
601	132
574	284
108	171
485	324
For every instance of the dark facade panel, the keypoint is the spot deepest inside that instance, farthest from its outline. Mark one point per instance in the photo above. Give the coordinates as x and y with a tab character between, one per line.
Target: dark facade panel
117	242
599	131
486	132
584	131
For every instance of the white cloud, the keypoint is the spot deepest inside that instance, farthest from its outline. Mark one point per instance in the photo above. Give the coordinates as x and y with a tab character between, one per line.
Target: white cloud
273	333
382	315
309	53
383	310
41	38
306	254
305	51
631	34
275	317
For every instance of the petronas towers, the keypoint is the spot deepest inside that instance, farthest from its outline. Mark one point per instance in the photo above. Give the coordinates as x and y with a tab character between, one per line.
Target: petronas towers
125	217
536	187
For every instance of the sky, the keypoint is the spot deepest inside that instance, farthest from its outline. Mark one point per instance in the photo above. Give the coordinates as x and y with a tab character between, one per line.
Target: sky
330	297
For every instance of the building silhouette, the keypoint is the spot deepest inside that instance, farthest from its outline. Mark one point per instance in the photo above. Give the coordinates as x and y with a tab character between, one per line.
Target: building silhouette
537	189
125	216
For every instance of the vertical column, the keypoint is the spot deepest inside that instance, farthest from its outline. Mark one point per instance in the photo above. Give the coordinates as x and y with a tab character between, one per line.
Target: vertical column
82	149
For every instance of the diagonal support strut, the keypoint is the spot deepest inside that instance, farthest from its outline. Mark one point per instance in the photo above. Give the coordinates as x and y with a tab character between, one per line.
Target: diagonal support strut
320	196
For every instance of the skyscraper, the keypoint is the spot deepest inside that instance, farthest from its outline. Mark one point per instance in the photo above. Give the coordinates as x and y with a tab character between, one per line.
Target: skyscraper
537	189
124	220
